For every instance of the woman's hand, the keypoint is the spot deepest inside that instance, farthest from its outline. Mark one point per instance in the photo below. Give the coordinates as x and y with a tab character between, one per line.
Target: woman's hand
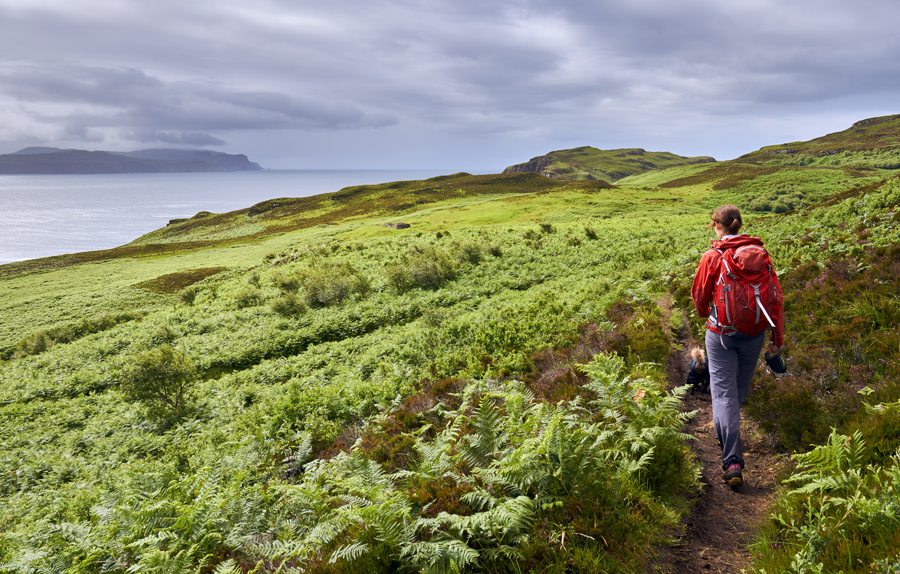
774	349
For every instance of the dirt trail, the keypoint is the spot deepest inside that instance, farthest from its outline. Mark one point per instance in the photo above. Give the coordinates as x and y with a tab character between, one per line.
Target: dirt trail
723	521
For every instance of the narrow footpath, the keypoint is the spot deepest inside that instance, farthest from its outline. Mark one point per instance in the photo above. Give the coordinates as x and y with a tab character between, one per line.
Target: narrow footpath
723	521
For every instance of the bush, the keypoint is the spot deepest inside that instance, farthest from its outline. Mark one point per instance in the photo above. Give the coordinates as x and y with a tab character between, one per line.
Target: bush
427	268
188	296
33	344
288	305
468	252
331	283
286	283
398	277
160	379
247	297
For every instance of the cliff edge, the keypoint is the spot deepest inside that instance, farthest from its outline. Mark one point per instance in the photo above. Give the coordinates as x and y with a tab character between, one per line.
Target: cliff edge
45	160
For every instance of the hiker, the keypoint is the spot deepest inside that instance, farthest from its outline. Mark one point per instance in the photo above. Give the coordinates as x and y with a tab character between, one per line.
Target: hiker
737	290
698	374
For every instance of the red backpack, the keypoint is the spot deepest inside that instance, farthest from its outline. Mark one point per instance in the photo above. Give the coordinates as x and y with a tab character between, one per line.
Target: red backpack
746	293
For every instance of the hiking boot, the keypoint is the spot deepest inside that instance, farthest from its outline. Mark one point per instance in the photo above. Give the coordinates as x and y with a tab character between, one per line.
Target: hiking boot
733	474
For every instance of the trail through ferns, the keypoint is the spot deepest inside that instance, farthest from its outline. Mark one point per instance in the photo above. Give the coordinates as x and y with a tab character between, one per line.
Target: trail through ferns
723	522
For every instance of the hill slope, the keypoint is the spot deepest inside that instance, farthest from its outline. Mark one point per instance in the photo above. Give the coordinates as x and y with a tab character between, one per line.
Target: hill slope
873	142
588	163
789	176
481	391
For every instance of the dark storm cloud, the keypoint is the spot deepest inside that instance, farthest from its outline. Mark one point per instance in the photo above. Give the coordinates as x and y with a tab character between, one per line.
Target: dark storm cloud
479	75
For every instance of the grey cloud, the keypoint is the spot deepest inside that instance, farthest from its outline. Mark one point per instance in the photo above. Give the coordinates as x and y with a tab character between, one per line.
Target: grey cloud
189	138
468	70
99	97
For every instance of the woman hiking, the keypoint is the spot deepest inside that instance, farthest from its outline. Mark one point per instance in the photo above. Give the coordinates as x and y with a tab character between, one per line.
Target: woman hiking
737	290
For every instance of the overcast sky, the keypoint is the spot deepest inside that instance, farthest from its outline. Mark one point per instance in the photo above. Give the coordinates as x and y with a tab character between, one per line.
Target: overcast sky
470	85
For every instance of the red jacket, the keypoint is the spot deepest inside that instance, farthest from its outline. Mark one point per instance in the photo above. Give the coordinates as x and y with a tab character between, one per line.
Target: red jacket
708	272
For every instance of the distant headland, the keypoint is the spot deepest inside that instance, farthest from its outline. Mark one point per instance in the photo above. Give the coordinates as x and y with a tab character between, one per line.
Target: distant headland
48	160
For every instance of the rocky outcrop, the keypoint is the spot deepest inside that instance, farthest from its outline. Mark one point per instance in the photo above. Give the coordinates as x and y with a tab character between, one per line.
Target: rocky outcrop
534	165
873	121
398	225
635	151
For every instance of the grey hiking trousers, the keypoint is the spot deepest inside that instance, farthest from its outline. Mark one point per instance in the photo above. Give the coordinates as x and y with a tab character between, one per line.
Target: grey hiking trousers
732	361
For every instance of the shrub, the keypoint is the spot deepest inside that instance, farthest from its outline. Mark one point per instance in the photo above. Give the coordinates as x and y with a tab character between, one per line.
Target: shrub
286	283
33	344
160	379
331	283
398	277
188	295
468	252
247	297
547	227
426	267
288	305
590	233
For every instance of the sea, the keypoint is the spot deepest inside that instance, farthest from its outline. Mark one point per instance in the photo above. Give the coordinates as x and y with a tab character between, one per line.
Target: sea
44	215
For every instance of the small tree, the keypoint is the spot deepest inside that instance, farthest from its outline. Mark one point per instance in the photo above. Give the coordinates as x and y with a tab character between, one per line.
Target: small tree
161	379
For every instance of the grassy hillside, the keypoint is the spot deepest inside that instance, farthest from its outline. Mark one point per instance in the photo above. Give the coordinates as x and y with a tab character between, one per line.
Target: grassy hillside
297	387
867	143
588	163
779	179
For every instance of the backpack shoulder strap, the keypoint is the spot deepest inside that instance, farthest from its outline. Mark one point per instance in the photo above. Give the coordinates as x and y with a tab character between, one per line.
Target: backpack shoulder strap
725	262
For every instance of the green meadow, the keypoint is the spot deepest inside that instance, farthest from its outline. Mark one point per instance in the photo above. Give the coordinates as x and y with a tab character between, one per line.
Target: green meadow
296	387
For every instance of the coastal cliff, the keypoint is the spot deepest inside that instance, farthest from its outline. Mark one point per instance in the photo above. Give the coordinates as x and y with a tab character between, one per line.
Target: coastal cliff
44	160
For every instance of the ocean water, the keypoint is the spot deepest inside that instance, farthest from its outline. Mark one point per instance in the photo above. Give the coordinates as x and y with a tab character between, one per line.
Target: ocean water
44	215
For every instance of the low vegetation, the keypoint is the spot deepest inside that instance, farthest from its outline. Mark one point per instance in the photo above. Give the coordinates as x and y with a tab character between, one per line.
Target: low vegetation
481	392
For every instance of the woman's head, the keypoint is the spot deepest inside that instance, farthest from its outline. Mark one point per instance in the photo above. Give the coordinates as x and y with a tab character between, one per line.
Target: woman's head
729	218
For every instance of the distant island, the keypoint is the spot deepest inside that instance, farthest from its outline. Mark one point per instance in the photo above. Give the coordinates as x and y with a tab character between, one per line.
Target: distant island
589	163
48	160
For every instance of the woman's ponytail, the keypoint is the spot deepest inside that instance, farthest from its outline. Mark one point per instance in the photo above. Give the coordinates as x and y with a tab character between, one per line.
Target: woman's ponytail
729	216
